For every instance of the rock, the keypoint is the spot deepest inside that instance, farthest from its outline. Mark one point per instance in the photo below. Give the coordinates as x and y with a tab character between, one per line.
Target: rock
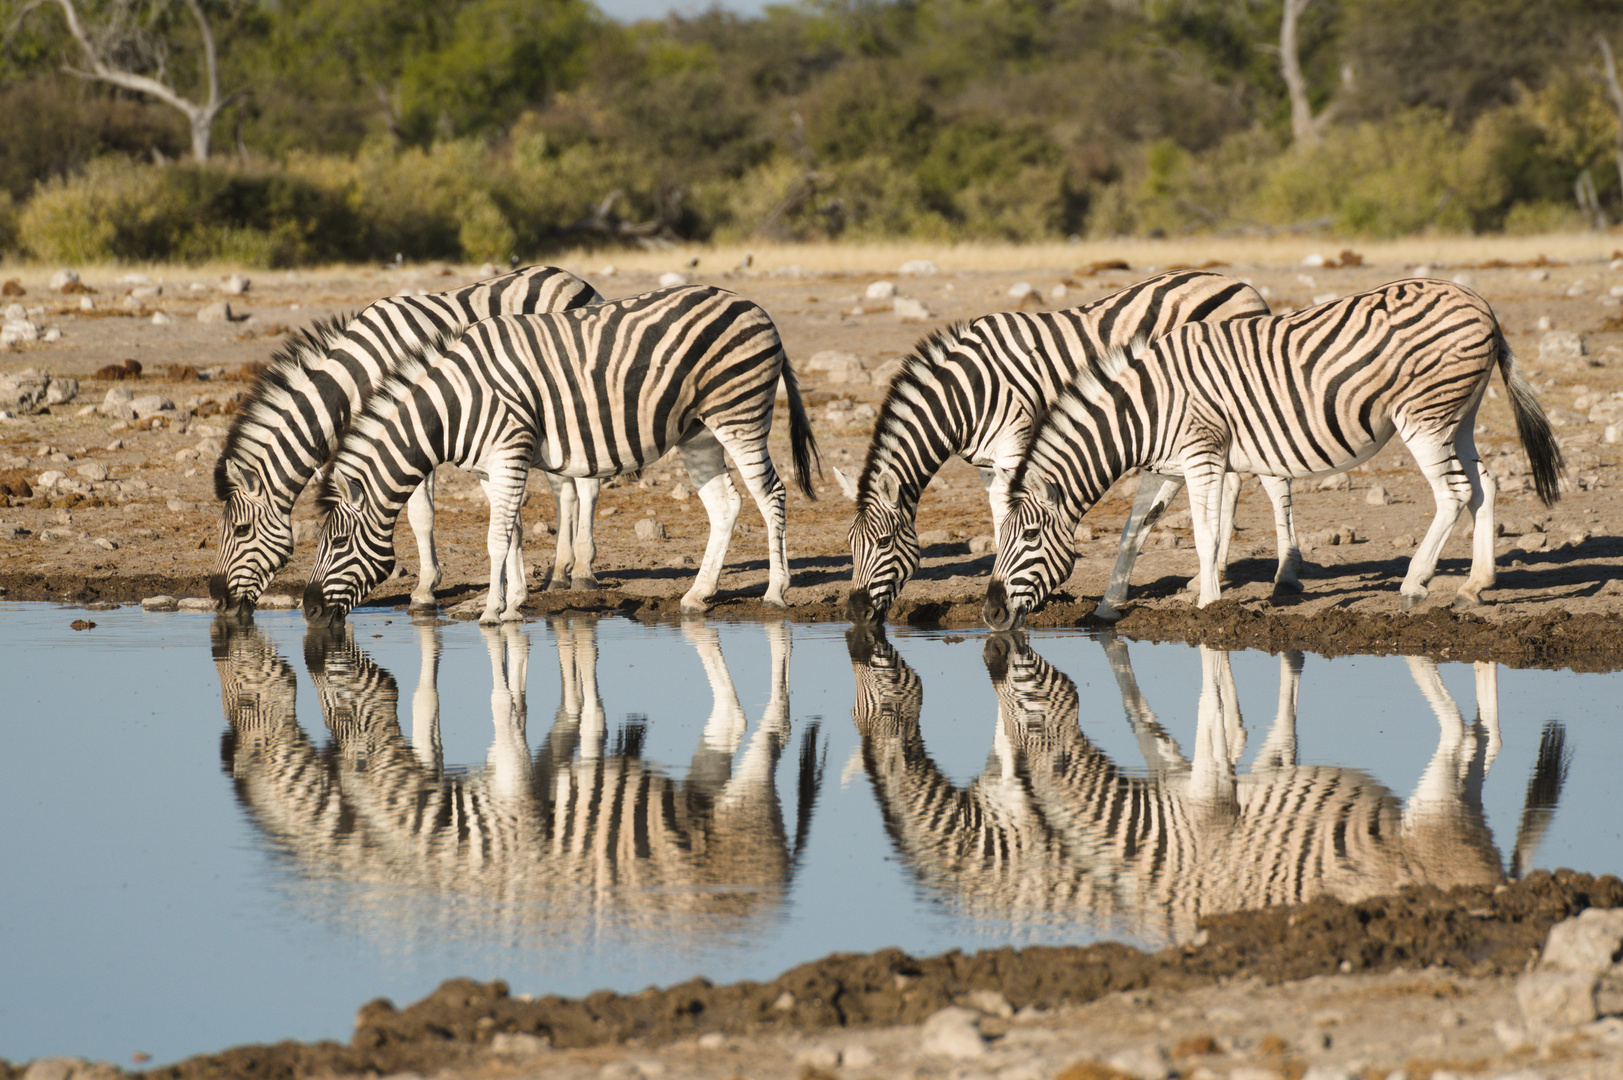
1336	482
53	335
31	390
178	506
217	312
649	529
886	372
519	1044
93	470
671	278
146	292
982	545
881	291
161	318
15	330
49	479
150	405
161	602
931	537
235	284
1556	999
1590	942
105	544
819	1056
63	278
14	312
195	603
1020	290
909	310
1557	345
1377	496
857	1056
86	304
990	1002
918	268
133	303
952	1033
839	366
680	492
1579	963
277	602
1058	292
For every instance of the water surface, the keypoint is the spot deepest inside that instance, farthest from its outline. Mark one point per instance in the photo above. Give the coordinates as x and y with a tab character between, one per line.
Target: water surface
220	836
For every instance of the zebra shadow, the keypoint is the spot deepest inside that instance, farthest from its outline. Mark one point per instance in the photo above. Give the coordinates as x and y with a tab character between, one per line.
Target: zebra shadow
1053	831
578	834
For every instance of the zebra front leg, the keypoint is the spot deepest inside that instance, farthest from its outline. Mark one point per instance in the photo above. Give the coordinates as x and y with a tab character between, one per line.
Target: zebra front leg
563	497
587	490
1286	579
1205	480
420	515
706	464
503	484
1152	500
425	702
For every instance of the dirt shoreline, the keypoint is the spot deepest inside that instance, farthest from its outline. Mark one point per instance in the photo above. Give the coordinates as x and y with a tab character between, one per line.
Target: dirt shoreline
138	519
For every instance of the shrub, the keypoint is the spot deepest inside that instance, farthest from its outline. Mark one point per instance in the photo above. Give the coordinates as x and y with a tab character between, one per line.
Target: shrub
9	240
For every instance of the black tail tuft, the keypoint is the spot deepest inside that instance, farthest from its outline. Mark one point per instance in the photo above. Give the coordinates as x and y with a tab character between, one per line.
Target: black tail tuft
1543	452
802	443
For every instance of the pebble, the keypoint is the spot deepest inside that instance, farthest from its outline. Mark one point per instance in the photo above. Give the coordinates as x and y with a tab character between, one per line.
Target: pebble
1377	496
649	529
918	268
194	603
1557	345
670	279
277	602
161	602
881	291
909	310
63	278
952	1033
217	312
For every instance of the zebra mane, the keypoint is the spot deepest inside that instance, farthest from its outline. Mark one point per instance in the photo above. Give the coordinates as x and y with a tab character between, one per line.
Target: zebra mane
918	368
373	418
1090	384
263	408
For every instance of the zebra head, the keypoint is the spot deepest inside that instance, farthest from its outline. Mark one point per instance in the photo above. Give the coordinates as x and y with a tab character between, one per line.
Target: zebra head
1036	551
256	538
884	547
356	550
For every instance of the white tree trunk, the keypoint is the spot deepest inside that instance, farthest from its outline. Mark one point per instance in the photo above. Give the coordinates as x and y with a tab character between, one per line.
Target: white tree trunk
1306	129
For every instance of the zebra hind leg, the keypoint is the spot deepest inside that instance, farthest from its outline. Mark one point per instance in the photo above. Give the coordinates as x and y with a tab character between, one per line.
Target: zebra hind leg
1483	489
1286	576
707	469
503	484
755	467
1444	470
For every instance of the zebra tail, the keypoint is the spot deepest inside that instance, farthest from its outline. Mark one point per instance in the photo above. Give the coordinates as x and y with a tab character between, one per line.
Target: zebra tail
1543	793
1543	452
802	443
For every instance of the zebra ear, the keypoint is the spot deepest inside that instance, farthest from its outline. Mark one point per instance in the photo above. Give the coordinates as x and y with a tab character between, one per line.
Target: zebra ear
1052	490
354	493
890	488
848	486
246	479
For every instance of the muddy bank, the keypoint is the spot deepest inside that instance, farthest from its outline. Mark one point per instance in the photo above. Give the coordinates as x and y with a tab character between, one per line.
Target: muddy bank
1476	932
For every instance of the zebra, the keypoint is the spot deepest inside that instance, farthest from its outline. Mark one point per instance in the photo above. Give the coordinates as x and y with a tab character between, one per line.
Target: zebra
290	421
975	389
580	828
595	392
1053	828
1298	395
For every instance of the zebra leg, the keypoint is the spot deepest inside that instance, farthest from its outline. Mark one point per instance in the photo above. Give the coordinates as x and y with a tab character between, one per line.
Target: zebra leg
508	764
563	497
504	483
1483	490
1487	705
1226	508
425	702
1279	749
587	490
1446	473
1205	480
420	515
707	468
1150	504
712	762
1212	785
755	467
1290	552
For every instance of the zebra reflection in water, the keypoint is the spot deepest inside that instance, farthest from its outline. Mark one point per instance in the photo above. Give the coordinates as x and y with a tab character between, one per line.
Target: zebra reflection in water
578	830
1053	830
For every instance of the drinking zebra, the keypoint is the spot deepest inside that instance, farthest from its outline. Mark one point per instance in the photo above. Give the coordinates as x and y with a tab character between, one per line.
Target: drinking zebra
588	834
290	423
1299	395
974	390
1054	829
593	392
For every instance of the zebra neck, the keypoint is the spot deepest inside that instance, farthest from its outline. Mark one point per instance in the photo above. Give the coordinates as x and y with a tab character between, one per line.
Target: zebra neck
920	426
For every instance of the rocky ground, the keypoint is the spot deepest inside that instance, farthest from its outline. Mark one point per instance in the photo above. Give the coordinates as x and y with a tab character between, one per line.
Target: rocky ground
109	499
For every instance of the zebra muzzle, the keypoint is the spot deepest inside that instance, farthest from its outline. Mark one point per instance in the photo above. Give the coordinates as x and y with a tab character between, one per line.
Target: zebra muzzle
317	611
997	611
860	608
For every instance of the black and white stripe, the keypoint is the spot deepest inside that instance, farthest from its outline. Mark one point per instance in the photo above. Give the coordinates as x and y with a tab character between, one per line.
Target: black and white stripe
974	391
594	392
1053	829
1299	395
289	426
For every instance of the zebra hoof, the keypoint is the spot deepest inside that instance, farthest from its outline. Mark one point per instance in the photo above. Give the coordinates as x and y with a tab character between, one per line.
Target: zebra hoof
1408	603
587	582
1463	602
1287	587
423	603
693	605
557	585
1106	612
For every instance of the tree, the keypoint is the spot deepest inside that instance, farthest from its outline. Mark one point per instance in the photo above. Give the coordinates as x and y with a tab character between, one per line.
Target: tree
120	48
1614	93
1306	128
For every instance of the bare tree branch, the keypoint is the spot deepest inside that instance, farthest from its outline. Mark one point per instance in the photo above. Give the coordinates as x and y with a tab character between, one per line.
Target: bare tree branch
1615	92
1306	128
102	66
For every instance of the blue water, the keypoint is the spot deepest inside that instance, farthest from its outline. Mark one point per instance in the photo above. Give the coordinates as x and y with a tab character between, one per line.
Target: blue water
185	871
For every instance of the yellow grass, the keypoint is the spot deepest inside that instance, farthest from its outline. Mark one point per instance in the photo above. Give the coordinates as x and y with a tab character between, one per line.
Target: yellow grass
887	258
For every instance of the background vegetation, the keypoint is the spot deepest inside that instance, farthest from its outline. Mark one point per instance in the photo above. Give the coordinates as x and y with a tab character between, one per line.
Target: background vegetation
492	129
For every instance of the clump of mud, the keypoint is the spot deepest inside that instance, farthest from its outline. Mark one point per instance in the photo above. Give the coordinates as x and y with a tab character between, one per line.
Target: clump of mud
1477	931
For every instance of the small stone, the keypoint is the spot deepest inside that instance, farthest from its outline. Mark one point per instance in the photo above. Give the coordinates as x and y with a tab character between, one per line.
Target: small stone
857	1056
670	279
1557	345
820	1056
519	1044
1556	999
680	492
990	1002
1588	942
217	312
235	284
785	1002
161	602
1058	292
880	291
94	470
194	603
63	278
931	537
649	529
277	602
1020	290
87	304
150	405
982	545
712	1040
952	1033
909	310
1337	482
1143	1063
918	268
49	479
1377	496
1313	261
161	318
178	506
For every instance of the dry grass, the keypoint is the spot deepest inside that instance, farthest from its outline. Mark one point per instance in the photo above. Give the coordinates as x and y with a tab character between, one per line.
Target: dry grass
886	258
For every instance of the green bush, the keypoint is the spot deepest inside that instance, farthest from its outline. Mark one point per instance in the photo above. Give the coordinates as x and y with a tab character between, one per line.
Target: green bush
9	240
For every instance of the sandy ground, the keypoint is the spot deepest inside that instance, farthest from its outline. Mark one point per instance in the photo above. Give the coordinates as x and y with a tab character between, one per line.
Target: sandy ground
149	527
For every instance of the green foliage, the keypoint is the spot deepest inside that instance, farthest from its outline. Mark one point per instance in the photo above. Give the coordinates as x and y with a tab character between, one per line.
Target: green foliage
8	224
